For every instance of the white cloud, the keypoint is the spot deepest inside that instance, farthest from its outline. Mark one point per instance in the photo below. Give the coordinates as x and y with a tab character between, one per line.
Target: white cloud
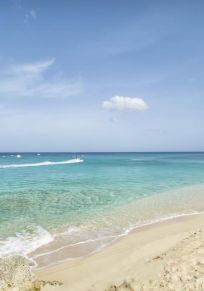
34	80
122	103
30	15
32	68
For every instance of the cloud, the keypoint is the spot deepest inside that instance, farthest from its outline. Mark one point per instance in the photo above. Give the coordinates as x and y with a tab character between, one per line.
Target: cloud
31	68
35	80
30	15
123	103
4	110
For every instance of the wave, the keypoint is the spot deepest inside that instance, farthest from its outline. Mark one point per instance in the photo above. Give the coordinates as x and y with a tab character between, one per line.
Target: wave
104	241
32	238
47	163
25	242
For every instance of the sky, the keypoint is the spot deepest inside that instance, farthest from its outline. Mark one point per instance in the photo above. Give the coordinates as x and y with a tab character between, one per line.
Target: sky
111	75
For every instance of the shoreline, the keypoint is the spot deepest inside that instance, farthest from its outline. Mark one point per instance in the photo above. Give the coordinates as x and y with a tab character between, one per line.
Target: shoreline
117	238
81	249
115	263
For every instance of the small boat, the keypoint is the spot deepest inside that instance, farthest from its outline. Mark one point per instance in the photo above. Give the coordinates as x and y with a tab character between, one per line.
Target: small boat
77	159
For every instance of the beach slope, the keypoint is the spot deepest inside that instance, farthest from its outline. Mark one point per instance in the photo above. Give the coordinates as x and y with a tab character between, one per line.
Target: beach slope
164	256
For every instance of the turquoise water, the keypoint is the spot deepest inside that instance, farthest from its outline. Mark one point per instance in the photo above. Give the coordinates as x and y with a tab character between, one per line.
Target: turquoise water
48	210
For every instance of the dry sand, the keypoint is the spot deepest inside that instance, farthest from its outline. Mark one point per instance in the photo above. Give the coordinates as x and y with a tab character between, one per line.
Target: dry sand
163	256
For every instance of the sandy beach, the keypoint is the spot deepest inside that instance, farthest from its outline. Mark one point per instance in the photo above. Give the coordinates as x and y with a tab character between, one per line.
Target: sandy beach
163	256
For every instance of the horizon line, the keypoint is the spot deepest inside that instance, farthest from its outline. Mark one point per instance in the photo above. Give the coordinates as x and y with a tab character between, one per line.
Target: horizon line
96	152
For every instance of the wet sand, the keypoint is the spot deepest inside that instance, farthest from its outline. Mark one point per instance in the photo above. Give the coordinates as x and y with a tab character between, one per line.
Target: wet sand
164	256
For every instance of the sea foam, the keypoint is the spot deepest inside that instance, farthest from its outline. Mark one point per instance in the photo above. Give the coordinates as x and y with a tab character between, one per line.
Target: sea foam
25	242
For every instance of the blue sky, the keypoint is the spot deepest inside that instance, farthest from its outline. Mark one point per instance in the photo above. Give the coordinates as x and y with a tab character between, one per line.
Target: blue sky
111	75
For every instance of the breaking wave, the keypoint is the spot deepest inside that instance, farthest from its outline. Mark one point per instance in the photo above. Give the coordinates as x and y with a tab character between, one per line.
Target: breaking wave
25	242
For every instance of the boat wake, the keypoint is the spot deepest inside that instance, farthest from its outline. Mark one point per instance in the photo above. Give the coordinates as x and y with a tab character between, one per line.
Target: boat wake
47	163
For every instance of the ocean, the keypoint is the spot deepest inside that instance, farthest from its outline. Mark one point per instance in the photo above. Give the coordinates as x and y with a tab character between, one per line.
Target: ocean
54	206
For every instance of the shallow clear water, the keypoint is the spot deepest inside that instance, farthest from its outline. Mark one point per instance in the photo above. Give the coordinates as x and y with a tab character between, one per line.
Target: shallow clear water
67	210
